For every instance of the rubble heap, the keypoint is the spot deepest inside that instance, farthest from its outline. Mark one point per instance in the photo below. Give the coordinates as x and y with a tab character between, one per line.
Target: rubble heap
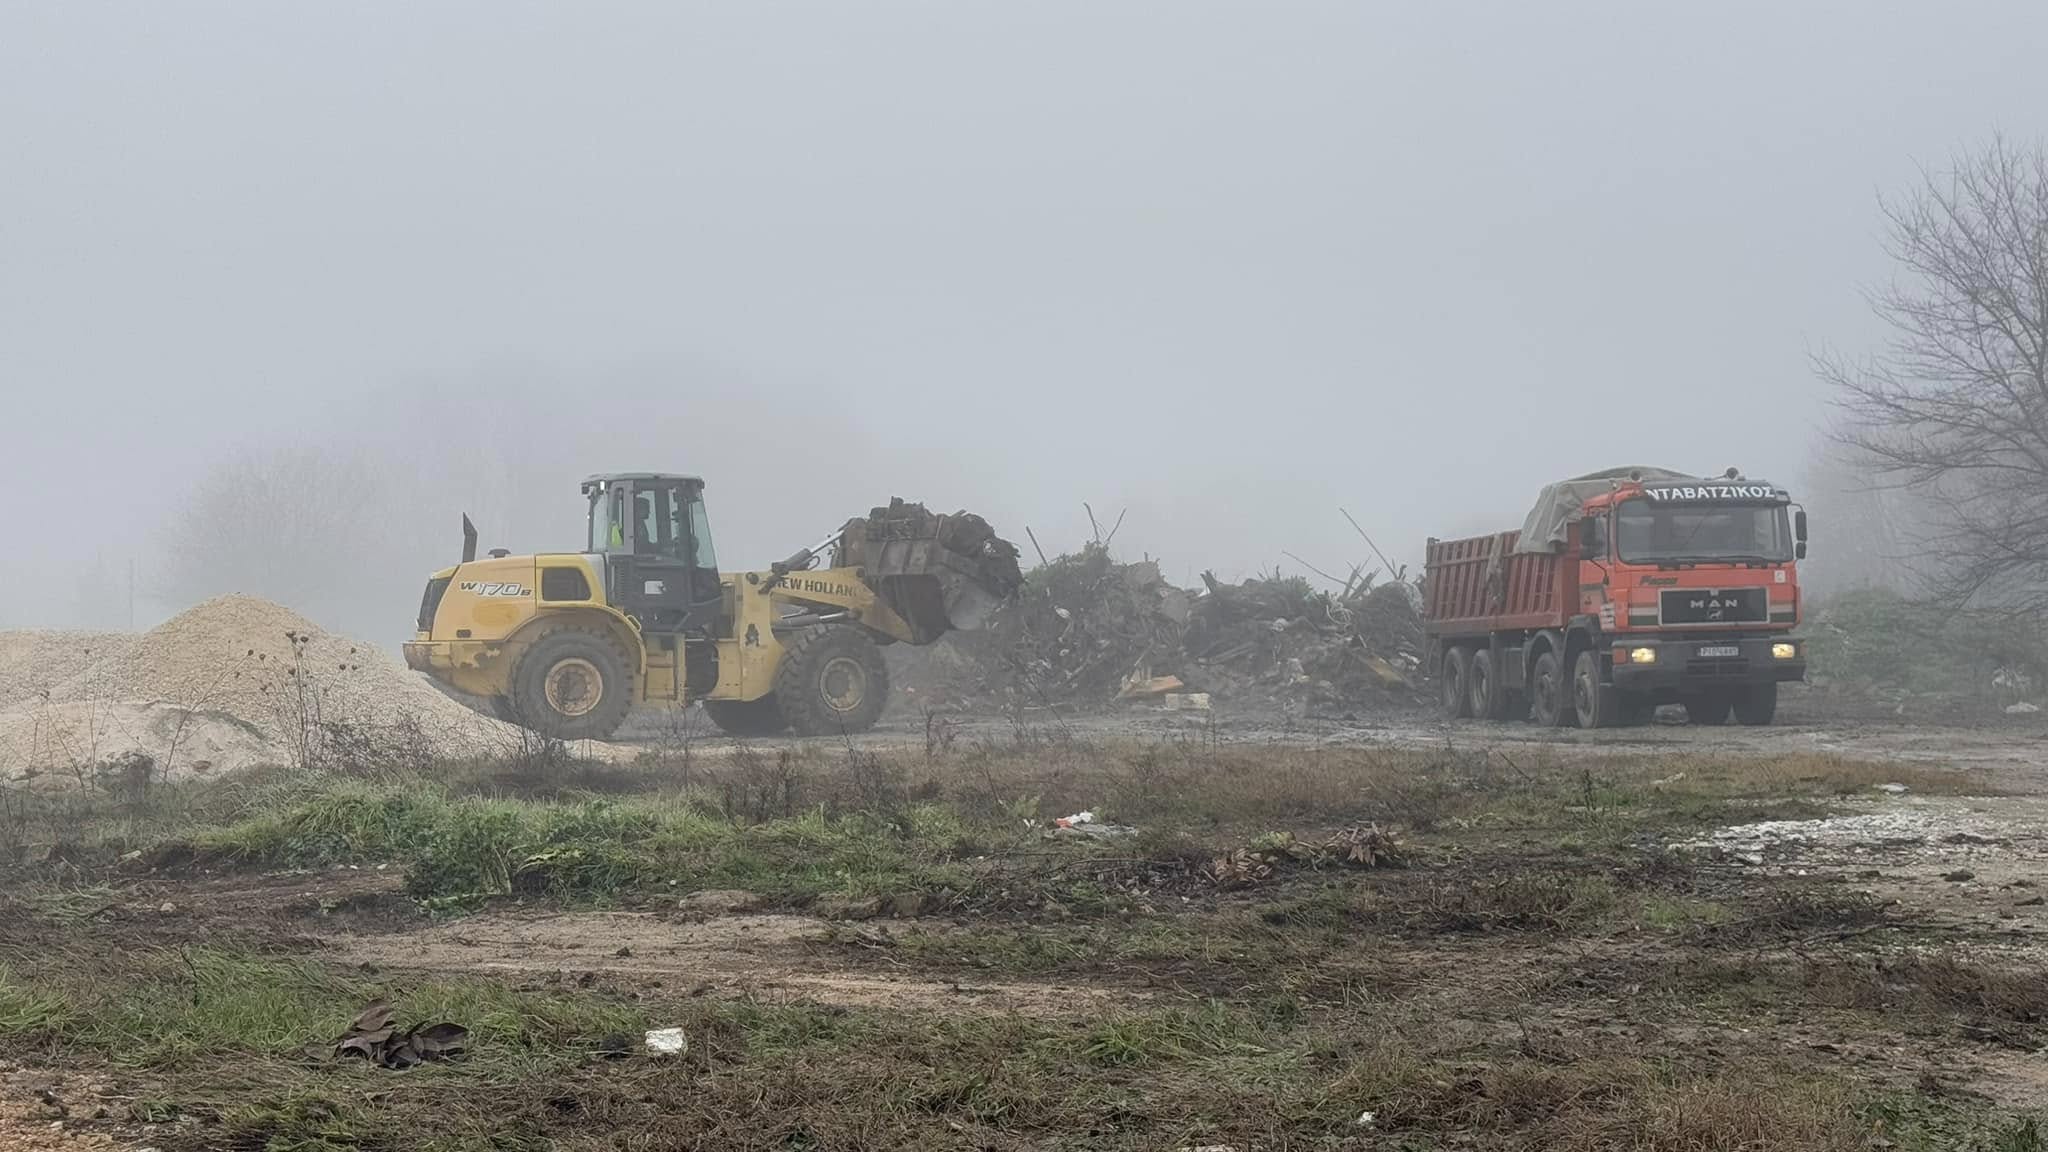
1280	638
1083	624
1086	629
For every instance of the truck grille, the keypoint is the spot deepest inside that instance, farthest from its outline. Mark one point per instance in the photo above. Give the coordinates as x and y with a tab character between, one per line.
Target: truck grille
1715	605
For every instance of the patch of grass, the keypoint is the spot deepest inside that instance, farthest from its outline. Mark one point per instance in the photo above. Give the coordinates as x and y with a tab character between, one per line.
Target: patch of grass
1913	1123
30	1012
1527	902
1674	912
466	847
193	1008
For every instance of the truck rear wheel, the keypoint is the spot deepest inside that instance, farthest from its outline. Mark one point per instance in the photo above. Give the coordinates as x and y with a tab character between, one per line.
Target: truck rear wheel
832	681
1457	695
1491	700
1707	708
1549	697
1597	705
761	717
572	685
1758	705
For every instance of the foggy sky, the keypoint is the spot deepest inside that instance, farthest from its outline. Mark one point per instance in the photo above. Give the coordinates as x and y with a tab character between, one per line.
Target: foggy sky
1228	266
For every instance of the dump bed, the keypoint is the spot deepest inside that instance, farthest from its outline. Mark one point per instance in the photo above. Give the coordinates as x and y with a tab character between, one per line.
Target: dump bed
1481	584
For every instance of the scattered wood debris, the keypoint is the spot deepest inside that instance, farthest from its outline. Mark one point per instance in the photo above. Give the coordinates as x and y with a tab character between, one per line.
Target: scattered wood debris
1361	846
374	1037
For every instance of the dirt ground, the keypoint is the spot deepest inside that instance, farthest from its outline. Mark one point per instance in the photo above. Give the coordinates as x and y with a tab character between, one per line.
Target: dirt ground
1882	935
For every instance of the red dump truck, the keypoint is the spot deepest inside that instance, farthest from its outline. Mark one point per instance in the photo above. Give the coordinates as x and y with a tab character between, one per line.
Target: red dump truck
1623	590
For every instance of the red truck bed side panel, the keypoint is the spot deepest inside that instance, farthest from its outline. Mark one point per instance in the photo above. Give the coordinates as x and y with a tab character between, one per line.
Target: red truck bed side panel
1483	585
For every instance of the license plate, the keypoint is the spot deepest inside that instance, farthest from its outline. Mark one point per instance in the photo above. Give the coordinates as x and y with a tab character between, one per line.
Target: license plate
1720	650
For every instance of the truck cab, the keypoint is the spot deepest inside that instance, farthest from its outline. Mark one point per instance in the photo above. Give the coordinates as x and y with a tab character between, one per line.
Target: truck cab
1694	589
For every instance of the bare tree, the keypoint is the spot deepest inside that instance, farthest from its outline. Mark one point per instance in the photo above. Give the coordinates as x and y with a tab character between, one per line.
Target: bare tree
315	528
1955	406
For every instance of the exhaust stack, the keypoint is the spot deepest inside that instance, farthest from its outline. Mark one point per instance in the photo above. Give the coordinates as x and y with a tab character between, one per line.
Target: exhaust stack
468	539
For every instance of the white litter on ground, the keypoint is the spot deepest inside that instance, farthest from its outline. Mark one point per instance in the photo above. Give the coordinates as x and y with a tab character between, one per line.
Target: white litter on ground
667	1041
1932	830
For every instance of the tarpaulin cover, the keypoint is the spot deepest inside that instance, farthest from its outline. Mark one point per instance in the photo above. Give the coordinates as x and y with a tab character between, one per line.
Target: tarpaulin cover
1558	506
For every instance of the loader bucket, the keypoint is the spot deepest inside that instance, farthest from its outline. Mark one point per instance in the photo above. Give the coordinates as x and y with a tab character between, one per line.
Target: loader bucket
939	573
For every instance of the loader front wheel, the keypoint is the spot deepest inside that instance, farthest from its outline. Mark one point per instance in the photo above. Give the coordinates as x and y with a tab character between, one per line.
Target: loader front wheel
832	681
572	685
761	717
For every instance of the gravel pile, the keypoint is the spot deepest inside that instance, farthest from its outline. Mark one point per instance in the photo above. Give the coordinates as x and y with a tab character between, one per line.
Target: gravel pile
232	682
34	664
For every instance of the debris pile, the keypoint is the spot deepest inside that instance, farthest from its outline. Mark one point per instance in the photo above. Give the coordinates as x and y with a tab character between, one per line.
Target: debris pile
1280	638
939	573
1363	846
374	1037
230	683
1087	629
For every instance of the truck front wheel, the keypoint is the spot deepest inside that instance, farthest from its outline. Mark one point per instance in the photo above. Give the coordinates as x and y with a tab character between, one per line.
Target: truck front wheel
1758	705
1549	698
1457	678
1597	705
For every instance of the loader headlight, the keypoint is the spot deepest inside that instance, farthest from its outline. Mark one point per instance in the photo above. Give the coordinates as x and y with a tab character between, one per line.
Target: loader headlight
1784	651
1642	655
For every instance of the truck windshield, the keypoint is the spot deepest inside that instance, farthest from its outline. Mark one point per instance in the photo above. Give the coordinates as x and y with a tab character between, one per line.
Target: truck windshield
1648	533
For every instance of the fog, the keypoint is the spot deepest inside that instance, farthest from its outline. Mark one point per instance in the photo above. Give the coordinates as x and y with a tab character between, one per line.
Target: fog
1219	268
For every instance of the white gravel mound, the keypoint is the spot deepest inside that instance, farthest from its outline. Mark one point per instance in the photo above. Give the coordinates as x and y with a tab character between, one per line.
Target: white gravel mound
232	682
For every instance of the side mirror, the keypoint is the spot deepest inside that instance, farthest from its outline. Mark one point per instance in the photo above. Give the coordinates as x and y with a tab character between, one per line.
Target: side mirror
1799	550
1799	525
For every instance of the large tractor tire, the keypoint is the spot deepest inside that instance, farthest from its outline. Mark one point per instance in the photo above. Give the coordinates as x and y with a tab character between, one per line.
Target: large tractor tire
832	681
761	717
573	684
1596	705
1550	695
1708	708
1456	683
1757	706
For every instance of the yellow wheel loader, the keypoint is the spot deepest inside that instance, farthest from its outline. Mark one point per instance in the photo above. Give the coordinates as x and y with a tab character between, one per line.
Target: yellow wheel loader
565	644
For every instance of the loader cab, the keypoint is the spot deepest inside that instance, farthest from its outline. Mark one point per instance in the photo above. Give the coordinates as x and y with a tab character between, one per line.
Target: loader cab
655	538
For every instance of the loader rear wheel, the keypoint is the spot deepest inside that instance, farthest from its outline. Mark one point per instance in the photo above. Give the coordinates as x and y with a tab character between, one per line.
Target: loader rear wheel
572	685
761	717
832	681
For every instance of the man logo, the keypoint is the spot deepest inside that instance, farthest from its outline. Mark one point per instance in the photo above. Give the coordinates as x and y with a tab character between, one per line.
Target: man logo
1714	607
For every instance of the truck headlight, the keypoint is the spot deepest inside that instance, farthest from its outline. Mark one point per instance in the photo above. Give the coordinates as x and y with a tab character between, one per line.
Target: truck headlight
1642	655
1784	651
